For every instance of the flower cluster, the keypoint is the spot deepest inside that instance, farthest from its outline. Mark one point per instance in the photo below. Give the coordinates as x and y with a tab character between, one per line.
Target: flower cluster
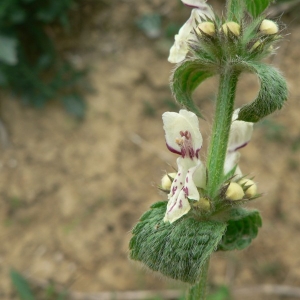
202	21
184	138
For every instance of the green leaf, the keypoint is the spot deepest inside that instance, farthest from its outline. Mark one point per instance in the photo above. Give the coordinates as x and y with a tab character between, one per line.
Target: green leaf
21	285
8	50
272	95
235	10
242	229
185	79
177	250
256	7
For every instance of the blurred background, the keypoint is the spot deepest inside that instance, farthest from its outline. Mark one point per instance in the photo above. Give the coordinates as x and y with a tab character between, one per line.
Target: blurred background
83	86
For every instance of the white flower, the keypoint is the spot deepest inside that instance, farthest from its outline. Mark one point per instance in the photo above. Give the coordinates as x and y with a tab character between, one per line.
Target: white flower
183	137
239	137
199	12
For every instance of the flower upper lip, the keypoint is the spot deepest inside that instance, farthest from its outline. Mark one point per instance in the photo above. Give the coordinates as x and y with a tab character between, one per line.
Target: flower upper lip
182	133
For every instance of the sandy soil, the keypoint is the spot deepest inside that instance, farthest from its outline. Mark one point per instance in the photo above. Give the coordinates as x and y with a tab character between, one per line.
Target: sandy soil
71	191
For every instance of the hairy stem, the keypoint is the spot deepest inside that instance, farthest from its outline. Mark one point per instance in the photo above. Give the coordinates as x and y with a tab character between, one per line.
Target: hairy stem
198	291
221	129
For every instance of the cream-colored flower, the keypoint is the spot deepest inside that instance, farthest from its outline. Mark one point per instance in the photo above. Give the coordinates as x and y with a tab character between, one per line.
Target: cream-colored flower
200	11
184	138
239	137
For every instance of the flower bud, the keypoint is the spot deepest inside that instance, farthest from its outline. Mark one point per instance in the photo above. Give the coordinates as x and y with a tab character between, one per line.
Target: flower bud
206	27
268	27
250	186
234	192
203	204
271	48
255	45
166	182
235	28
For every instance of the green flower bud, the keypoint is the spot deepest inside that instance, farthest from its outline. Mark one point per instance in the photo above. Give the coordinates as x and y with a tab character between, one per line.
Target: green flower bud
166	182
234	192
255	45
268	27
235	28
206	27
250	186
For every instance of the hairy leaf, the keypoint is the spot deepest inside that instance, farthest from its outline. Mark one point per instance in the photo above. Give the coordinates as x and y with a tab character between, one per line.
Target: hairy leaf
177	250
272	95
242	229
235	10
185	79
256	7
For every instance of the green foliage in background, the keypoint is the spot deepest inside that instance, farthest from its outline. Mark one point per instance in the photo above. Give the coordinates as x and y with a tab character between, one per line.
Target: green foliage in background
25	292
29	63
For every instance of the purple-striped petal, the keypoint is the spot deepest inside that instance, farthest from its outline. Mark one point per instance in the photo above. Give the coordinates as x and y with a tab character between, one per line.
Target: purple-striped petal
177	207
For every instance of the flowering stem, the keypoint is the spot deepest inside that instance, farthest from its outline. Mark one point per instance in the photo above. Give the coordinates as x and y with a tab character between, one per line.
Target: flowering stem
198	291
221	129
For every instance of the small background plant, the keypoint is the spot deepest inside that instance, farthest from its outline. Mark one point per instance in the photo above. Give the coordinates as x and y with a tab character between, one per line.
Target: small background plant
26	292
31	66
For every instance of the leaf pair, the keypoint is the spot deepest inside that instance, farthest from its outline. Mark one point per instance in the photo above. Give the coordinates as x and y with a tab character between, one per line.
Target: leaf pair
179	250
272	95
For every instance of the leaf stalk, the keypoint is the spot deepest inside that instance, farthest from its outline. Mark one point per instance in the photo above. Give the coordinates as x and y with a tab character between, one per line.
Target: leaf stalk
199	290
